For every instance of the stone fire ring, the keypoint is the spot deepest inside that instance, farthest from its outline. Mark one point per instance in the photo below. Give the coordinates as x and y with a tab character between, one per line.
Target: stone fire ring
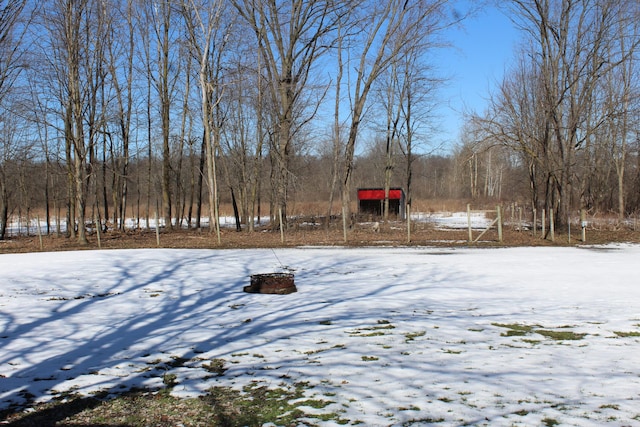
271	283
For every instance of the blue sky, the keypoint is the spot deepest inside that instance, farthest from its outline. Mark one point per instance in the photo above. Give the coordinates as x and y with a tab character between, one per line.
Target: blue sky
481	51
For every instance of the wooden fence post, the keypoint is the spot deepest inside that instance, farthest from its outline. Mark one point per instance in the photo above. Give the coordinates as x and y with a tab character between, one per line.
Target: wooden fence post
39	232
499	212
469	221
157	230
344	224
520	219
98	227
552	226
408	222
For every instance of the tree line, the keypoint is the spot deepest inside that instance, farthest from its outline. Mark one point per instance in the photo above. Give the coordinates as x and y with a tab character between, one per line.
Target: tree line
567	111
114	109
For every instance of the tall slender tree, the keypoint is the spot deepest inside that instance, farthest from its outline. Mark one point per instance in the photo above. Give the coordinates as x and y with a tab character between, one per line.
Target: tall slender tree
75	51
121	55
207	39
549	106
165	68
11	34
385	29
291	36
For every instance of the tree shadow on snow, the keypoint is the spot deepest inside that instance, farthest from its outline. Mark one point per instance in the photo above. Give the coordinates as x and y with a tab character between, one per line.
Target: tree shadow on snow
187	286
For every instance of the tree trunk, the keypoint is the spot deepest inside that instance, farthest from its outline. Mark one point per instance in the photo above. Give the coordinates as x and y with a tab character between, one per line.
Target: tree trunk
4	205
200	184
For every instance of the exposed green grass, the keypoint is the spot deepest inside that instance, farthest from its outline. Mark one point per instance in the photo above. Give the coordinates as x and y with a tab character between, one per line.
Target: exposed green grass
177	361
610	406
372	331
516	329
627	334
425	420
410	336
287	404
258	405
254	405
215	366
169	380
370	334
560	335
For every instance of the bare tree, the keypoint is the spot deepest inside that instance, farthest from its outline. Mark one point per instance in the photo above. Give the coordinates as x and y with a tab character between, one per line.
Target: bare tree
76	54
73	17
570	43
243	136
10	66
622	92
385	29
390	94
291	36
11	34
164	69
555	107
417	102
8	153
207	36
121	54
513	121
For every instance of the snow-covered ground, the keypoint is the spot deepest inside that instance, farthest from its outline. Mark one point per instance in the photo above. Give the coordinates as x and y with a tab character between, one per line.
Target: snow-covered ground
453	220
391	336
443	220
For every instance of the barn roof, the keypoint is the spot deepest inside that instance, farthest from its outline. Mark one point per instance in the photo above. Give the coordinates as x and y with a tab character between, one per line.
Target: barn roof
378	193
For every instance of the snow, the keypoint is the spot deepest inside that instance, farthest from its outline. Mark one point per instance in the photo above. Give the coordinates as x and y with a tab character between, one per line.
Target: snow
454	220
391	336
441	220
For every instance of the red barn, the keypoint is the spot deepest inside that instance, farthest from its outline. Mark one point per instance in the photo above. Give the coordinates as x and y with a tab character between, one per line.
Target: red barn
371	202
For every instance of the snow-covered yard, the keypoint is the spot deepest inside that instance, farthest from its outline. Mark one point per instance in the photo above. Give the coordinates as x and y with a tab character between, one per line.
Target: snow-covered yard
441	220
390	336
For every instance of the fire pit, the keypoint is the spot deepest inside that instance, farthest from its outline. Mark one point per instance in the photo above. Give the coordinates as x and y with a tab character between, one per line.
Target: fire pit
271	283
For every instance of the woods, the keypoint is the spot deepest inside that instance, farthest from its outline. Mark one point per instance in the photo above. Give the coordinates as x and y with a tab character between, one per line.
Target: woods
123	109
567	108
